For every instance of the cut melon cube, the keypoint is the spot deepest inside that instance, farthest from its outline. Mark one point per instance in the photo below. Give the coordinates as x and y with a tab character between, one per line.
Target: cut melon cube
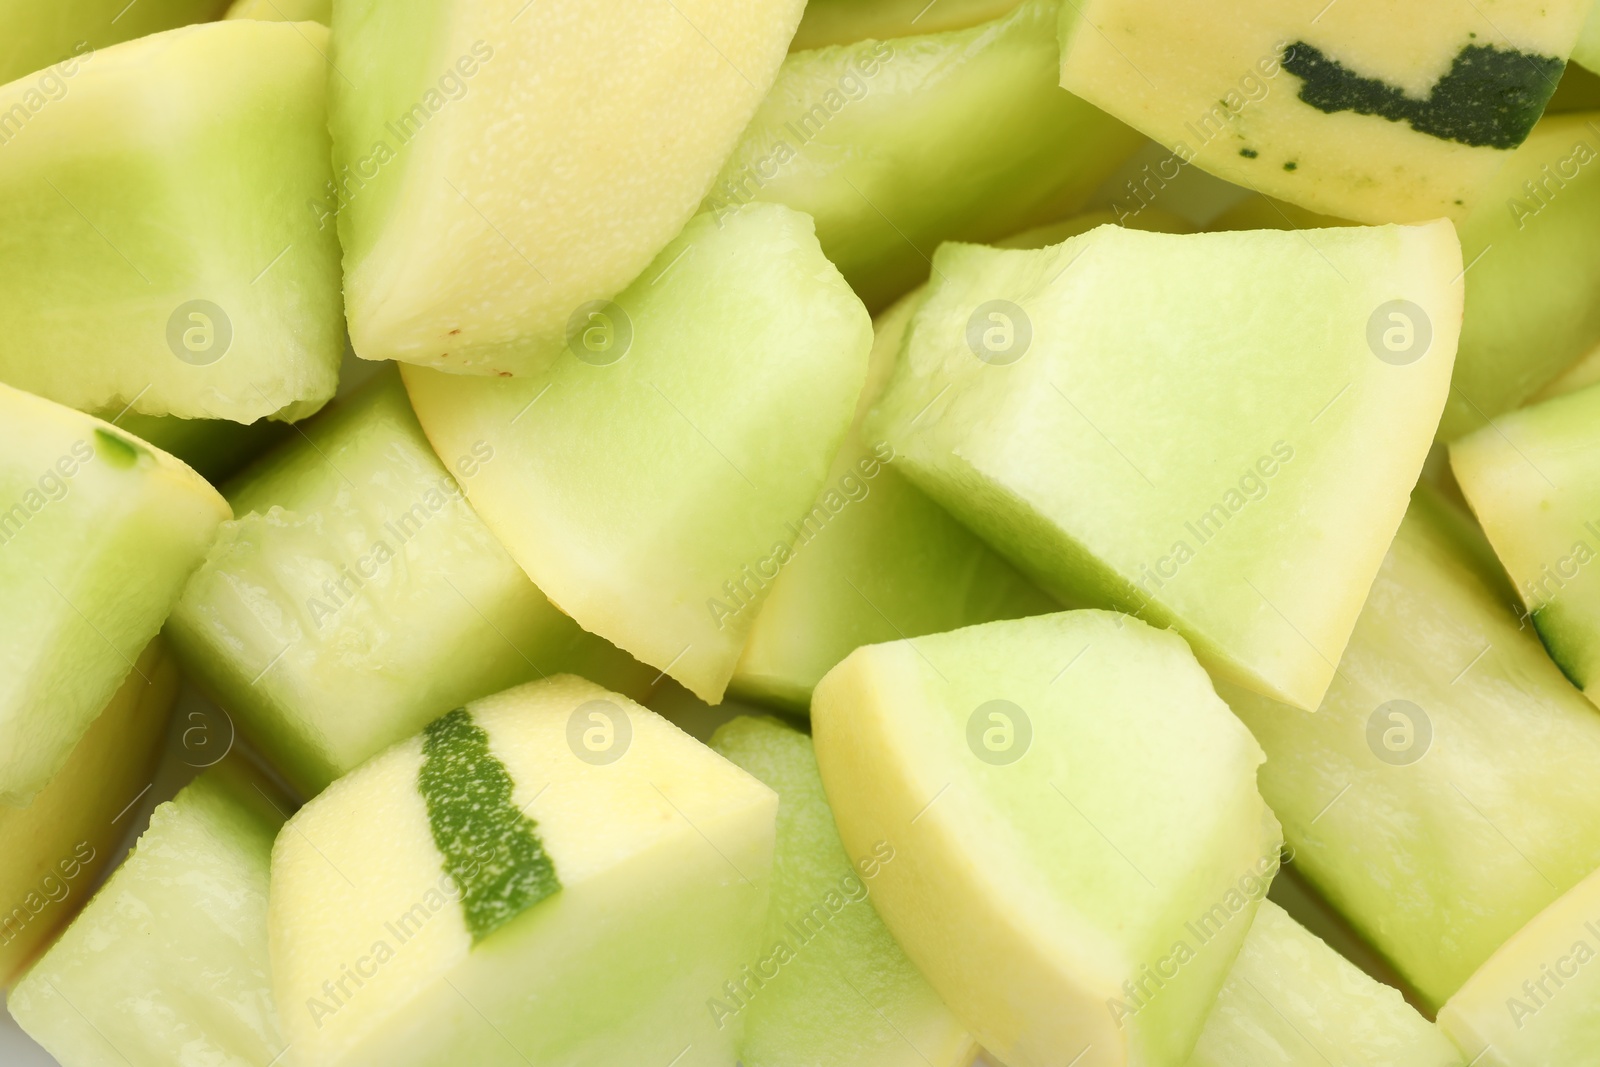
56	847
1290	431
34	36
283	10
829	22
98	533
895	145
654	482
1079	845
358	596
1291	1001
1444	792
155	240
168	963
833	988
1368	109
550	876
500	165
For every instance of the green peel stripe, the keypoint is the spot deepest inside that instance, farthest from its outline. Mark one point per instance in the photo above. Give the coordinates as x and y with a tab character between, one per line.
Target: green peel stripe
491	850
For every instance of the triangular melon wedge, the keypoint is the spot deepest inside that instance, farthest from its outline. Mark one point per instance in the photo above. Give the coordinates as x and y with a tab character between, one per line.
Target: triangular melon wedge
653	485
1079	845
501	164
98	533
550	876
1207	430
159	242
36	36
1367	109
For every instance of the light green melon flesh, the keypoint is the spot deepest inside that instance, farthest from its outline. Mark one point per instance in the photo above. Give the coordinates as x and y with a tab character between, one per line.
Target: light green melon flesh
98	533
175	168
1533	479
1231	94
663	859
1254	520
1029	892
1587	50
1439	861
168	964
655	497
836	989
829	22
34	35
894	146
500	164
1291	1001
358	596
283	10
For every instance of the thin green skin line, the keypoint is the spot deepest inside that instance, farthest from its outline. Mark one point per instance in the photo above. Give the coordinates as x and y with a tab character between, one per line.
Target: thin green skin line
491	850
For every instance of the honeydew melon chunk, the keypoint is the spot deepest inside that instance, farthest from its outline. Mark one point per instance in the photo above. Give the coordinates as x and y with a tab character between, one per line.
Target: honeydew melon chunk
154	232
1587	51
1254	521
499	166
593	895
1368	110
34	36
895	145
1580	375
168	962
842	991
283	10
56	847
1291	1001
1072	810
98	533
654	487
1533	480
830	22
358	596
1450	759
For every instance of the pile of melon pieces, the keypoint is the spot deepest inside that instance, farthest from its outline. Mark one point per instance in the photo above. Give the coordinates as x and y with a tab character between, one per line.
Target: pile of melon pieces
684	533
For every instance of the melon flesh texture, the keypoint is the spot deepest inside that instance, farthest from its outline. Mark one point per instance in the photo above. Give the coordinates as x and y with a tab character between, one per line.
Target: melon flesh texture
661	861
358	596
1369	110
98	533
894	146
842	992
56	847
1437	862
173	169
1041	897
654	498
1533	480
498	165
1291	1001
830	22
34	36
1254	520
1587	51
283	10
168	963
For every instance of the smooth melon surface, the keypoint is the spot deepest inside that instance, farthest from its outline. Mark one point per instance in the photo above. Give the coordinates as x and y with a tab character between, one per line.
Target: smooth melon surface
1254	520
283	10
155	233
1587	50
34	36
1079	844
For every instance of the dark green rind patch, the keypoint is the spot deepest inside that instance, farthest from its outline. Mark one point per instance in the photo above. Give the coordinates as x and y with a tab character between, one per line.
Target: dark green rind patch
1563	655
1490	97
116	449
491	850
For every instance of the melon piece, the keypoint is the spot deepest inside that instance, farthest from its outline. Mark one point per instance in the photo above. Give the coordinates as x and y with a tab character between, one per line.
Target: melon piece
1533	480
1587	51
1254	521
828	22
283	10
56	847
1580	375
654	483
552	875
216	448
833	988
34	36
1536	1001
1079	844
168	962
1444	792
98	533
895	145
155	237
573	140
1291	1001
358	596
1365	109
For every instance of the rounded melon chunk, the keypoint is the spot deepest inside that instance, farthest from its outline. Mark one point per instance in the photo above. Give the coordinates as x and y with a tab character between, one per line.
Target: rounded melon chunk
501	164
1079	845
552	875
155	242
98	533
34	36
